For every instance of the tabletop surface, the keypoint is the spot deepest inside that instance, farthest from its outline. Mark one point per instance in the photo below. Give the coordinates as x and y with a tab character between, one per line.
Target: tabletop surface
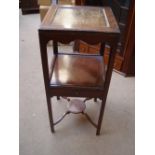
80	18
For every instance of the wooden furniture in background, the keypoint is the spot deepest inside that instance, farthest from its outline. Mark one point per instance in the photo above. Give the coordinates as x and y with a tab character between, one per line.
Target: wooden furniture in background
75	74
129	47
79	2
124	13
29	6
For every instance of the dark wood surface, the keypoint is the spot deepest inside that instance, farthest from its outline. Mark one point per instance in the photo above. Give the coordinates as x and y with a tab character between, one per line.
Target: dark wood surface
129	47
83	47
29	6
78	75
79	18
79	2
124	60
78	70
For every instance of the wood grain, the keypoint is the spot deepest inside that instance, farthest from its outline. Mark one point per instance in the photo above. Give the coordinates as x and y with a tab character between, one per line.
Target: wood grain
78	75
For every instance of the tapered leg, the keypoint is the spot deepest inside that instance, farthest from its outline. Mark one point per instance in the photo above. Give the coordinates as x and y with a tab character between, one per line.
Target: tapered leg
50	114
55	47
100	116
58	97
95	99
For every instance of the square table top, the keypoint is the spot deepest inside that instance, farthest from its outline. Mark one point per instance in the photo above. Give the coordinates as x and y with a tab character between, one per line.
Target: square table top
80	18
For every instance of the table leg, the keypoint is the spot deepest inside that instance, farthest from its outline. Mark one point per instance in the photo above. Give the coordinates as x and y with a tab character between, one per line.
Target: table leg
50	114
100	116
58	97
55	47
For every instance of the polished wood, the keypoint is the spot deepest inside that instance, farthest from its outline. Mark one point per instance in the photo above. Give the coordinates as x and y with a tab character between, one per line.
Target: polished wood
79	2
83	47
125	59
121	10
78	71
77	18
29	6
129	47
78	75
93	3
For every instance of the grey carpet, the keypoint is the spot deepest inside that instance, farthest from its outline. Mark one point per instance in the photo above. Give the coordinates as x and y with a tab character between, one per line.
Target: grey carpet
75	135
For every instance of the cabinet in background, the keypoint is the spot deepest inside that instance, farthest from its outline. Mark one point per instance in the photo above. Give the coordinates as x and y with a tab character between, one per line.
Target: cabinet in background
124	11
29	6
